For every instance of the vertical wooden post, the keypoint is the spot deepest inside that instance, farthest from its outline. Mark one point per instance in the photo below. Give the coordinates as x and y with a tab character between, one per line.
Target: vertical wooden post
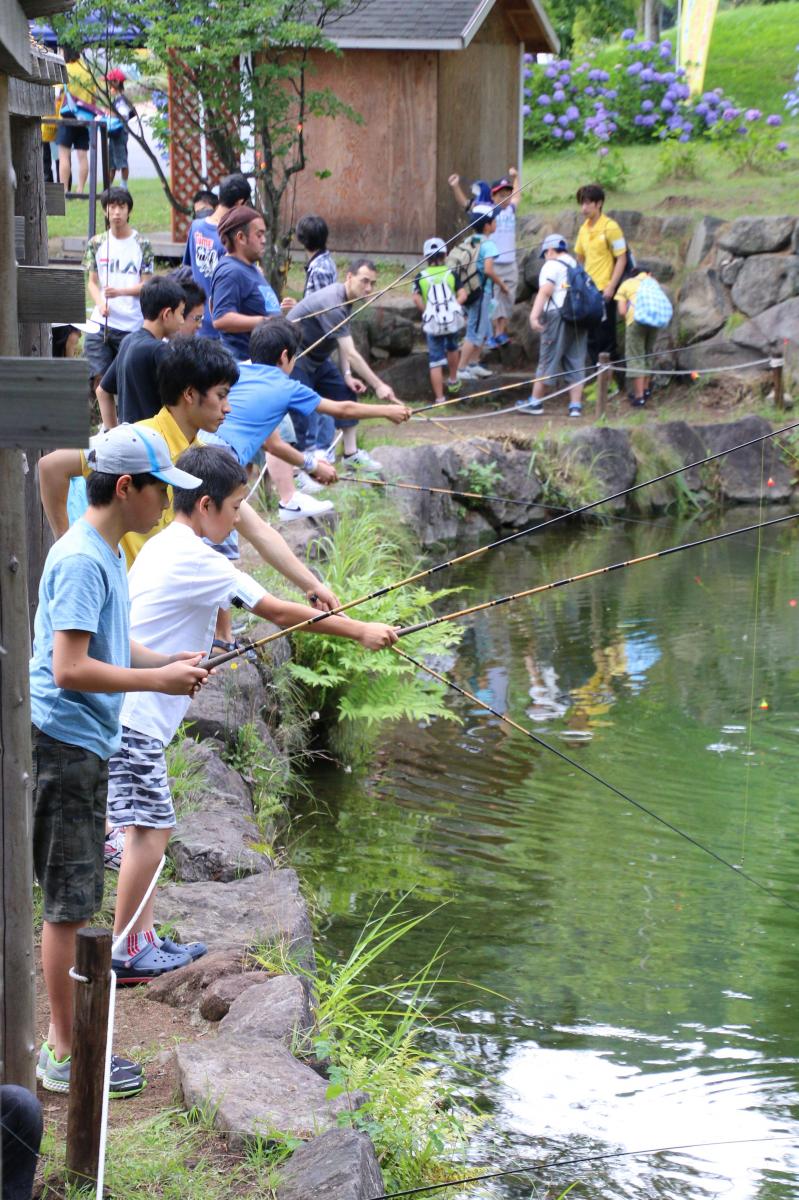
34	339
16	842
93	964
777	365
602	383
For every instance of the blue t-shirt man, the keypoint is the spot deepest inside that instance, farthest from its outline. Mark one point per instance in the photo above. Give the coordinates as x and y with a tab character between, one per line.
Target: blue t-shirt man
258	403
84	586
239	287
203	252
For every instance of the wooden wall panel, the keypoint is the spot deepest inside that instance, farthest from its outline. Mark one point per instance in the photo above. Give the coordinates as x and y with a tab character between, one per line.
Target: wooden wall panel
478	114
380	195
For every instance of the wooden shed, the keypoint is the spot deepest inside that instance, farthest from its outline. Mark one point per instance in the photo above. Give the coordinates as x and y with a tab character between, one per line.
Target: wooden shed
439	87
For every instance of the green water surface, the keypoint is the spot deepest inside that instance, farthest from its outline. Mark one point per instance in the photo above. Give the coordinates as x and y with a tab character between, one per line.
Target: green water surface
647	994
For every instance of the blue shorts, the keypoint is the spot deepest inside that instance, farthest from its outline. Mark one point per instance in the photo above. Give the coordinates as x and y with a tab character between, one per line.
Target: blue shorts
439	346
118	150
478	321
318	429
286	430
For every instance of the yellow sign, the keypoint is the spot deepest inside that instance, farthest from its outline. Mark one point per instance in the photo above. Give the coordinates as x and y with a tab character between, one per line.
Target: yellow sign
696	26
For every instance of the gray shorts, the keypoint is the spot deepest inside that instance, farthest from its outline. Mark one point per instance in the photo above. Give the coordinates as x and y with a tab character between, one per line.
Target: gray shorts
509	274
138	784
563	350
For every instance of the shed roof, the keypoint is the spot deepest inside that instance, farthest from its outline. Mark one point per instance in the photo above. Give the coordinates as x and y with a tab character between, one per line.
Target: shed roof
443	25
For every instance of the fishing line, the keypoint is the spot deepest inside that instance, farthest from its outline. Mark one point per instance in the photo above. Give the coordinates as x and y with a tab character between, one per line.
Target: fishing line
558	583
416	266
219	659
574	1162
611	787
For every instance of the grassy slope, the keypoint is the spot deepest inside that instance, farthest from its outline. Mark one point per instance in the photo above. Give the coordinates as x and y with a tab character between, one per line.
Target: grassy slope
761	78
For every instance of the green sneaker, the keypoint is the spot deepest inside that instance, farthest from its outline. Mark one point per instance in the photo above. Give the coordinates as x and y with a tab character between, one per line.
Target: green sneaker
123	1082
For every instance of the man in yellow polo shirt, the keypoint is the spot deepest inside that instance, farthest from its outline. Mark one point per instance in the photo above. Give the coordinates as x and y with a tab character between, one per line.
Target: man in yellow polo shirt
194	379
602	249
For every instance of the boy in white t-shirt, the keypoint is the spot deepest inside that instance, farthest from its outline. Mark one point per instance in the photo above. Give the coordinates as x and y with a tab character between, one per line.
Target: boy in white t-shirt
563	344
177	585
119	261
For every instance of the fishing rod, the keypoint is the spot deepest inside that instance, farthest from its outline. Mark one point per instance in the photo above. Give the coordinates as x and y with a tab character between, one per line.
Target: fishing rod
574	1162
617	566
219	659
573	762
418	487
416	266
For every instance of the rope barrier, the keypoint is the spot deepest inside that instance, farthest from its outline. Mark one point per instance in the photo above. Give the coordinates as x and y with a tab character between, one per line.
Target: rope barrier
500	412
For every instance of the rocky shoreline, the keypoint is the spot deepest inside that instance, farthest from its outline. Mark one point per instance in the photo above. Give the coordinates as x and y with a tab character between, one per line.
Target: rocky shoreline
258	1076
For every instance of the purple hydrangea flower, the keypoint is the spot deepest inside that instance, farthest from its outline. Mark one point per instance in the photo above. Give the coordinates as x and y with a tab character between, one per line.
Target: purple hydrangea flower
551	71
549	118
665	51
563	120
684	137
667	105
590	91
526	110
680	71
701	109
557	131
527	92
753	114
528	58
647	105
647	75
595	73
611	93
635	68
528	74
648	120
572	112
568	135
603	150
774	119
628	34
782	147
544	100
730	114
559	96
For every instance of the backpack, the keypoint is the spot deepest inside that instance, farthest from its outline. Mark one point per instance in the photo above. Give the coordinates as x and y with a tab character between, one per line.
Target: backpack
442	313
651	305
584	303
462	261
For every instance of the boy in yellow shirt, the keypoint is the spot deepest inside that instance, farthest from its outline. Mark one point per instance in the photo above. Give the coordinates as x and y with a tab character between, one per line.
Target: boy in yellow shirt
602	249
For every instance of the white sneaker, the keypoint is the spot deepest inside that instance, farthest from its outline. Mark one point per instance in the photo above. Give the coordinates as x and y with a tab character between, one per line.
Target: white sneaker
301	506
362	461
307	484
479	372
465	374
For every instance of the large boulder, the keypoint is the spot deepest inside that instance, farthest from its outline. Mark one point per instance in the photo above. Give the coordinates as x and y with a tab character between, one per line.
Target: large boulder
216	846
217	998
387	327
764	281
607	456
703	306
409	377
658	446
523	336
716	352
435	518
276	1009
339	1165
515	480
701	242
743	475
765	334
256	1088
219	789
184	987
661	268
233	697
263	908
678	225
756	235
729	269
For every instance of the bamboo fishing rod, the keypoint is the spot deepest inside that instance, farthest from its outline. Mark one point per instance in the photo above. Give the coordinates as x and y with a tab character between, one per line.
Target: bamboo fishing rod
416	266
617	566
528	733
219	659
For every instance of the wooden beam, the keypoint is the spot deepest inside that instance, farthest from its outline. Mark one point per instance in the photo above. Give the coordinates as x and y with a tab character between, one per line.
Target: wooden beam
50	294
27	99
55	199
15	42
44	402
45	8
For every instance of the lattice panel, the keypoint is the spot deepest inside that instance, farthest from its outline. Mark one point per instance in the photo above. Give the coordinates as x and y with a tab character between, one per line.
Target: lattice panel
186	155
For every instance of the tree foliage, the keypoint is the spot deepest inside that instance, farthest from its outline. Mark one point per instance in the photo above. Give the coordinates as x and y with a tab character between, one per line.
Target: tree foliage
241	73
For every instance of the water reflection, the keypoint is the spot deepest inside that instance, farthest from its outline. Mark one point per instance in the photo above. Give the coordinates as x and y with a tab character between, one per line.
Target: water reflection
645	995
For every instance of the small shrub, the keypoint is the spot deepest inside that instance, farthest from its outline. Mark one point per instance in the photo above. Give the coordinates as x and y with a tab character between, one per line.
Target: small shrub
677	160
482	478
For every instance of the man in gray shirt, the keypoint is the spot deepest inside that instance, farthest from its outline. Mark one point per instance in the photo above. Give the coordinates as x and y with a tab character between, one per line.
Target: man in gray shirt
323	317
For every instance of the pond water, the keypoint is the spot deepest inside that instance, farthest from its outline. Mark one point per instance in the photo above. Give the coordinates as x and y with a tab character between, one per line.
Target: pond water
642	995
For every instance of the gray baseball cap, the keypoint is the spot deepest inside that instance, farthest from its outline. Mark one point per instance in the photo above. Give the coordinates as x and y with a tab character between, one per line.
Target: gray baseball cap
553	241
136	450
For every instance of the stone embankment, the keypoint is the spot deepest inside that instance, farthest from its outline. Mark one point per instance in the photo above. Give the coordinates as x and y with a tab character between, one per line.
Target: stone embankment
255	1069
734	286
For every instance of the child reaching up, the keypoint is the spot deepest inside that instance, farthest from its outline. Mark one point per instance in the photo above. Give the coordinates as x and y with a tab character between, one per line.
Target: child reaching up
177	584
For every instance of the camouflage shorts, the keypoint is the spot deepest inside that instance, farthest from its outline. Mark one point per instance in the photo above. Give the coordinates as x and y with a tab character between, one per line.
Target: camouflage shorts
70	786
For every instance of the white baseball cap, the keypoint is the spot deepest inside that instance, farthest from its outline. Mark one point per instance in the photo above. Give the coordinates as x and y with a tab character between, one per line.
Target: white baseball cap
136	450
434	246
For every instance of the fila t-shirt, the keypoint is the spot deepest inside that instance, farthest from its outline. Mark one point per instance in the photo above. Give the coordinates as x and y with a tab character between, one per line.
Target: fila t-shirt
119	263
177	584
203	251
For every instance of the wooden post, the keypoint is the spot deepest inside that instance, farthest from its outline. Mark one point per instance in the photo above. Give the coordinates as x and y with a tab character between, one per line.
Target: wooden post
16	848
602	383
93	963
777	365
34	337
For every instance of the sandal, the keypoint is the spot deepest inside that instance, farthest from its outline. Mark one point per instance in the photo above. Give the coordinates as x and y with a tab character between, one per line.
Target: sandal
195	950
148	964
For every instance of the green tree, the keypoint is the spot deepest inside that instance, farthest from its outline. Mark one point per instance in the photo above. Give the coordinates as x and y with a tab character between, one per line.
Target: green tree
242	75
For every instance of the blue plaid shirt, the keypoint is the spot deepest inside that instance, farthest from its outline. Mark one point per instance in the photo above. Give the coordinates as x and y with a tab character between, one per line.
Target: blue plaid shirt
320	271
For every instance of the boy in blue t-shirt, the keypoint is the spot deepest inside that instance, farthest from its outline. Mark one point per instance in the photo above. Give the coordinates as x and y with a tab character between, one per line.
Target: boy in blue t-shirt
264	394
478	322
241	299
83	661
204	248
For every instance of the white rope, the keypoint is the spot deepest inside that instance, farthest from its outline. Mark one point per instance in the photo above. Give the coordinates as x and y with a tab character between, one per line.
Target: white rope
115	945
757	362
513	408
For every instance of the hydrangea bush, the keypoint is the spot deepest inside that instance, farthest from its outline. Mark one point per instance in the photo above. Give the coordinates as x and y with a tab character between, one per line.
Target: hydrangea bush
643	96
792	97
